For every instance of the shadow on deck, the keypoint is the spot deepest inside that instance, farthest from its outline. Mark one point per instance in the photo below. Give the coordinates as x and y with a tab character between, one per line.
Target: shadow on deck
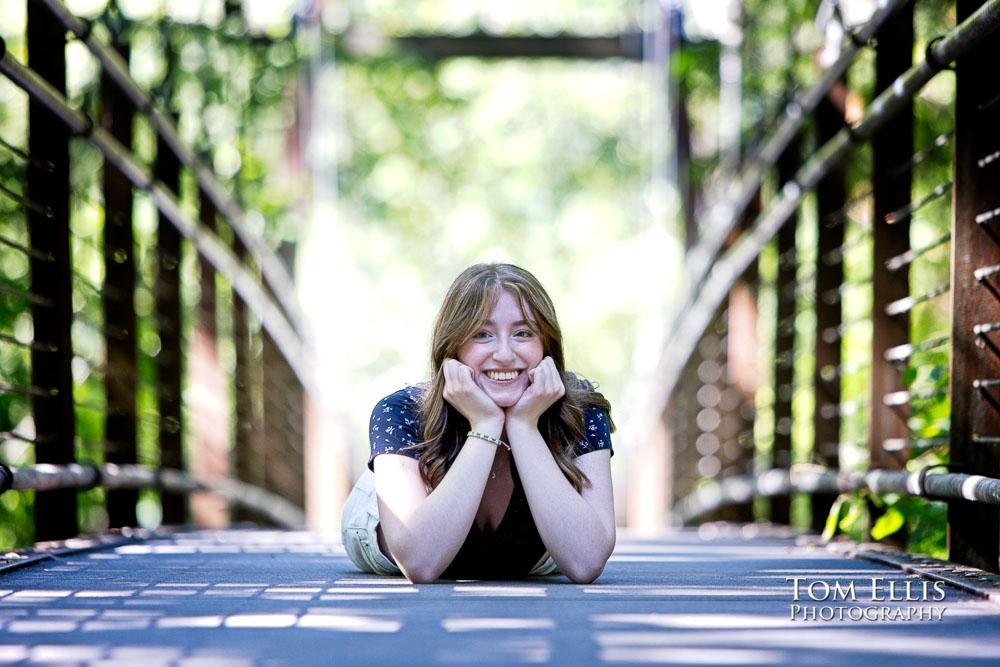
714	596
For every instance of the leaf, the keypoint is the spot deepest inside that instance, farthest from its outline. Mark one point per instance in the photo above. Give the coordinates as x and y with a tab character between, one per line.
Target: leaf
831	518
854	512
888	523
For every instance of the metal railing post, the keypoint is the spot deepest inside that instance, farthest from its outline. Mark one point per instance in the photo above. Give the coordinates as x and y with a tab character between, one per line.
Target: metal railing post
742	381
283	426
248	458
169	362
55	419
892	146
784	339
118	297
209	413
831	198
974	528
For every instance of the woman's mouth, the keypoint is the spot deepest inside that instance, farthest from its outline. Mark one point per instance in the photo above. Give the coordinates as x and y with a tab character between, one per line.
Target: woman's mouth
502	376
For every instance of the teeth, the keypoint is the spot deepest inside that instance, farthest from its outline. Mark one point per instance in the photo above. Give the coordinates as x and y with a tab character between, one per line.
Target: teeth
499	376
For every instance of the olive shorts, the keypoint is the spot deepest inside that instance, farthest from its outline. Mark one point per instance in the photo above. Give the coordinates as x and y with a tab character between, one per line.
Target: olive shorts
357	529
359	522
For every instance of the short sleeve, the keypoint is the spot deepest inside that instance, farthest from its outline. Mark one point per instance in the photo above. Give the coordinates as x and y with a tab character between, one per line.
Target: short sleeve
394	425
596	430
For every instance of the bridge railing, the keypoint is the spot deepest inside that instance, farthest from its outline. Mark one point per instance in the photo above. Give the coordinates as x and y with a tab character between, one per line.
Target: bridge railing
152	339
863	251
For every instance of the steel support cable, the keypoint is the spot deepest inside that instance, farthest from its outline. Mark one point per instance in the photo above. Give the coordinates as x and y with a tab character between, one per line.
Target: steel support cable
906	212
10	435
834	294
982	274
838	217
292	347
908	303
901	444
988	104
108	330
723	217
30	297
832	334
894	264
836	255
814	479
30	252
904	397
992	157
719	280
83	280
27	203
842	409
27	157
46	477
114	65
28	390
31	344
907	350
922	155
830	373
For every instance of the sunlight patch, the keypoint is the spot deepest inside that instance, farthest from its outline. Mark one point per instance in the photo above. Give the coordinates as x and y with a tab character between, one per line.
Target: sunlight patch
349	623
474	624
189	622
261	620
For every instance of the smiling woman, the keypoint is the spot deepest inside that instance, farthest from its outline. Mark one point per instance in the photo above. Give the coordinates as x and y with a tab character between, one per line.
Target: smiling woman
497	468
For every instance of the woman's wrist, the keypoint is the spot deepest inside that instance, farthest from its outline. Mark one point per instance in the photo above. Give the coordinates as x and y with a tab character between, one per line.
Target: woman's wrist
491	427
518	424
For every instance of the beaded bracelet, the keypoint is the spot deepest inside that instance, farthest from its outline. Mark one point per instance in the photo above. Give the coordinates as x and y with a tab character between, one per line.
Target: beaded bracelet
488	438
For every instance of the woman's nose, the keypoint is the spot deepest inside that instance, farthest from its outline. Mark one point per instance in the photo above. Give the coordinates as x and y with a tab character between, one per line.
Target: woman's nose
503	350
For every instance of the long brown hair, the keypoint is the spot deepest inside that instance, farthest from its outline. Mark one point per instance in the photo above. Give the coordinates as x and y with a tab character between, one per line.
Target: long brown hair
466	308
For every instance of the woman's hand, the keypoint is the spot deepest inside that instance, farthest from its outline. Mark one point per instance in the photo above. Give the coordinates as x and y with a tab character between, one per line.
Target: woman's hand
462	392
545	388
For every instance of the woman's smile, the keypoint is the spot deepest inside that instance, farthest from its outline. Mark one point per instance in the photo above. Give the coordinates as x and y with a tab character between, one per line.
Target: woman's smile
502	376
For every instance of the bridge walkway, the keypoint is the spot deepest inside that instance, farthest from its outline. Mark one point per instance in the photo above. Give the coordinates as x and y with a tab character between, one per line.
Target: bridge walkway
708	596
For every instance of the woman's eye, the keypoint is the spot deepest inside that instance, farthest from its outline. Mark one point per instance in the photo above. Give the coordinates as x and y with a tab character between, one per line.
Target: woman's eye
524	333
481	335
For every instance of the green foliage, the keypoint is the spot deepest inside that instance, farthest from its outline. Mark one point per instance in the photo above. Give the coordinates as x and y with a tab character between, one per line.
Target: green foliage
234	94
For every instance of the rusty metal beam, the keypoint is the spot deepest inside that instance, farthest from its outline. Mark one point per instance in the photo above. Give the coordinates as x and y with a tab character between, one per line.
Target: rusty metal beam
891	146
974	529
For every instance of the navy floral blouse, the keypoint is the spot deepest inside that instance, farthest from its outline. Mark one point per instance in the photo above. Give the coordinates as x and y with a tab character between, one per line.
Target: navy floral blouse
514	547
395	424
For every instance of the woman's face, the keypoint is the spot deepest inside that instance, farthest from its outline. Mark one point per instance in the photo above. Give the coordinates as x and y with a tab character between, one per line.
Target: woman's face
502	352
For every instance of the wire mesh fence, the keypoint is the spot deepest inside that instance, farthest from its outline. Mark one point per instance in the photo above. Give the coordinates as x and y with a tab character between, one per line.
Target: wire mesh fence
871	243
140	316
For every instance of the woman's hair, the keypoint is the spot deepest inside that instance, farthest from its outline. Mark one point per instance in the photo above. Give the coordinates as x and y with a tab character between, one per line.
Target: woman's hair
466	309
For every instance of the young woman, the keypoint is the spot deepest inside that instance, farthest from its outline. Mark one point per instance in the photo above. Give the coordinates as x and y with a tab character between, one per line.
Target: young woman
497	468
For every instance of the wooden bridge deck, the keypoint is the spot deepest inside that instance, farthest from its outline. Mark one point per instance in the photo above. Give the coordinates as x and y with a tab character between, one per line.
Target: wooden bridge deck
266	597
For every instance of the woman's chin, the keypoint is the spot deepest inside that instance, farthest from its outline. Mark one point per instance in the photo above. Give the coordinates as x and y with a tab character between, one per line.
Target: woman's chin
506	399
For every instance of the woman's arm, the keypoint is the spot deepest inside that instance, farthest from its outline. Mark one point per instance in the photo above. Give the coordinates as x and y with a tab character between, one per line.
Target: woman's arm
424	530
578	529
